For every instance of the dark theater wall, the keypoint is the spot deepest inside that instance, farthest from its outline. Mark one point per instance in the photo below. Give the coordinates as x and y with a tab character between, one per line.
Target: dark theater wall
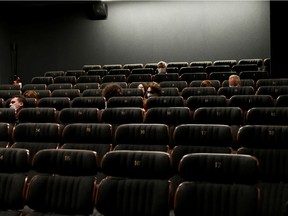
60	36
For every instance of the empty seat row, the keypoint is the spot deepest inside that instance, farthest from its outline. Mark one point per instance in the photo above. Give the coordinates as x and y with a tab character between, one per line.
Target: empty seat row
132	172
167	115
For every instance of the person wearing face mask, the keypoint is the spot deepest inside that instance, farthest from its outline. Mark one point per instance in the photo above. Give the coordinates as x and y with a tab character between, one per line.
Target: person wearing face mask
17	103
162	67
111	90
153	90
143	87
234	81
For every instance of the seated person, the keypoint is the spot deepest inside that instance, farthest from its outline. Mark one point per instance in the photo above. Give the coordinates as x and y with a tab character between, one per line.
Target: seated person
31	94
161	67
153	90
17	103
234	81
112	90
143	87
206	83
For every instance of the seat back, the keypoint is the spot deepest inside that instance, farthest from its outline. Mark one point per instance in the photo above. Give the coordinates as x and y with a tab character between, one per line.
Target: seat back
36	136
282	101
55	86
89	102
139	172
217	68
219	184
195	138
84	86
274	91
268	143
195	102
178	84
246	102
38	115
230	91
165	101
123	115
219	115
91	136
88	67
9	87
79	115
42	80
143	136
72	189
196	91
65	79
68	162
113	78
189	77
221	76
139	78
267	116
92	92
132	91
75	73
125	101
5	134
166	77
170	91
121	71
191	69
30	86
272	82
54	73
70	93
56	102
89	79
245	67
6	94
254	75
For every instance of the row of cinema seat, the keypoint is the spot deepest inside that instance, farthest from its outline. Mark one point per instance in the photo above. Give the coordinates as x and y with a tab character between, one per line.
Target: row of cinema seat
169	88
180	66
164	115
171	116
145	76
193	102
189	79
137	183
217	65
251	182
103	137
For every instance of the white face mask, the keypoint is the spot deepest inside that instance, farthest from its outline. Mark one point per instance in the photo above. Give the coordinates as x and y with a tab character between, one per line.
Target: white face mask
161	70
149	95
13	107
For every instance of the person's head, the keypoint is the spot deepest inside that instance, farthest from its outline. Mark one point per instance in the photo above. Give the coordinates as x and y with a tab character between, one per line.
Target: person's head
143	87
206	83
17	81
234	81
18	102
161	67
112	90
31	94
153	89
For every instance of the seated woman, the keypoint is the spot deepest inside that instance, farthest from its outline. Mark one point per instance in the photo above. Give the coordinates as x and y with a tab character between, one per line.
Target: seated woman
153	90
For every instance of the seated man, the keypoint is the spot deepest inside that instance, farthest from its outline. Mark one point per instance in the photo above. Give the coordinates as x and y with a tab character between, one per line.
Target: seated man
234	81
161	67
17	103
